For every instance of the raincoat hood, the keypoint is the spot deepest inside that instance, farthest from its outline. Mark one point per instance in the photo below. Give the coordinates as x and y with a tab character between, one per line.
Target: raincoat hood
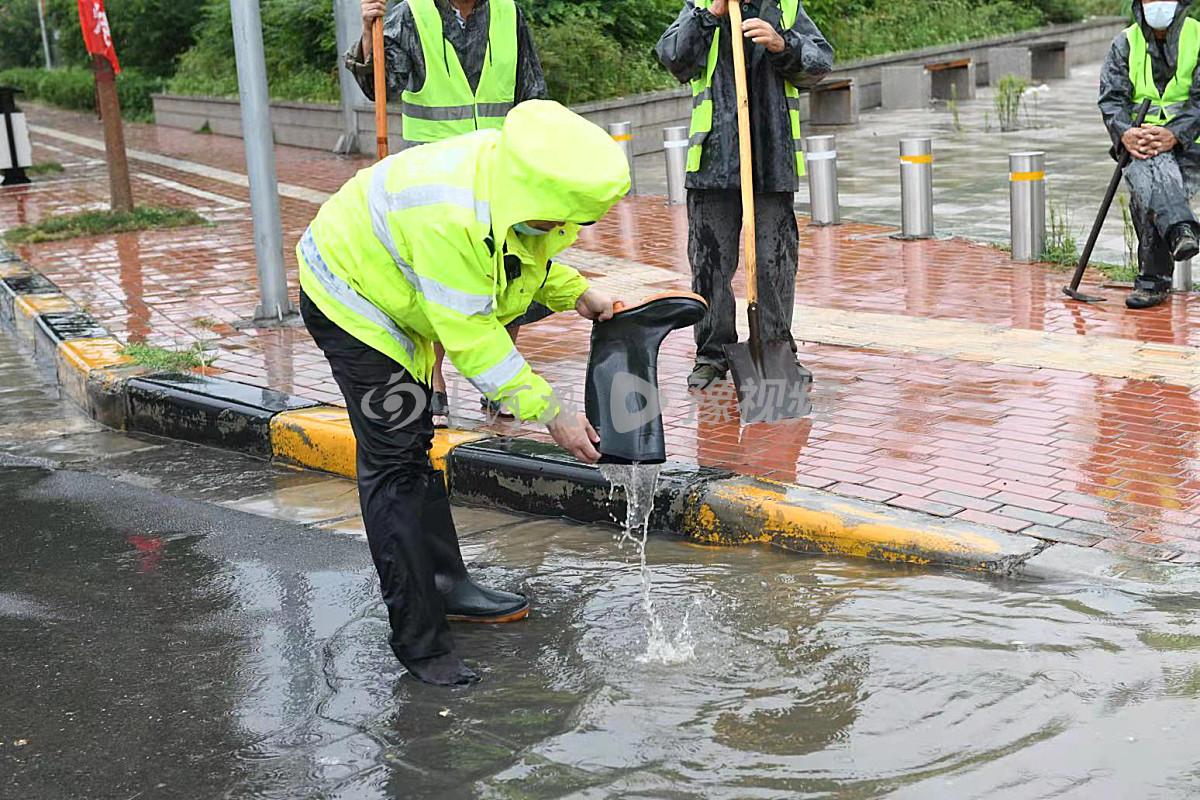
552	164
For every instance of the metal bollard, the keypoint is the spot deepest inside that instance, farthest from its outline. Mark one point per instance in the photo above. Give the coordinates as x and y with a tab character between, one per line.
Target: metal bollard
1027	204
1182	281
622	134
916	188
820	154
675	147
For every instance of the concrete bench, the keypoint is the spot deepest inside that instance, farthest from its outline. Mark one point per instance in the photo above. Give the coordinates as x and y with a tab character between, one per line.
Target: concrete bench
833	102
1042	61
914	86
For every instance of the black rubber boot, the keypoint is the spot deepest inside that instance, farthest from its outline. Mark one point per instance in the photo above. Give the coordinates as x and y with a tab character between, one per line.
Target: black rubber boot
1184	242
622	378
447	670
1148	292
465	600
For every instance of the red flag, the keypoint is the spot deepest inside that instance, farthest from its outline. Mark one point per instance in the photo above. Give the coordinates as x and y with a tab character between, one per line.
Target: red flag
96	34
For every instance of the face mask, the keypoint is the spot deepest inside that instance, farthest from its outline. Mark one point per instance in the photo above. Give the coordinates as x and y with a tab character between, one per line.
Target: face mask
525	229
1160	15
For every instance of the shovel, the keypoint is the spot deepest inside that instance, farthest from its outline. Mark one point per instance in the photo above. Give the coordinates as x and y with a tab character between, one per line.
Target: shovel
770	384
1123	160
380	64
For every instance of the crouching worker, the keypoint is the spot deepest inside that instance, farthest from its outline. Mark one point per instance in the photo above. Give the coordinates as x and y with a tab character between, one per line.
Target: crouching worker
784	52
448	243
1155	59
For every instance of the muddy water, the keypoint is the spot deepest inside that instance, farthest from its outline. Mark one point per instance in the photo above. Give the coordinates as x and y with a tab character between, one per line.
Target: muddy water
155	647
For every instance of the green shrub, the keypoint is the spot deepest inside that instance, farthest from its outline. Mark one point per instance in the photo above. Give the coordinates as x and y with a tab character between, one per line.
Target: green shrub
300	45
74	88
583	64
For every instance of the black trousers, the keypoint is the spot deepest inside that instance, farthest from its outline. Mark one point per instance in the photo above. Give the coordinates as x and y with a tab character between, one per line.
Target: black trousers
714	232
1160	190
405	508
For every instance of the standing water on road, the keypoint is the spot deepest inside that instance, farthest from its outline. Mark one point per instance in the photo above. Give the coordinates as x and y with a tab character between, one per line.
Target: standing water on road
639	482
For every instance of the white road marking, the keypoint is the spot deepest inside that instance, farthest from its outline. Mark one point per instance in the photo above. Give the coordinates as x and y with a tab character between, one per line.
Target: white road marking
191	167
221	200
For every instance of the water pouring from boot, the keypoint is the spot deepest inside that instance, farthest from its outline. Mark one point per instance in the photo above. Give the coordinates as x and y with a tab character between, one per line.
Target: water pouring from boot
623	404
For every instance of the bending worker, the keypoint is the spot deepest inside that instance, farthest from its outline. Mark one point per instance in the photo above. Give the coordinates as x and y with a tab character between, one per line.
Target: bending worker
1155	59
458	66
784	51
447	244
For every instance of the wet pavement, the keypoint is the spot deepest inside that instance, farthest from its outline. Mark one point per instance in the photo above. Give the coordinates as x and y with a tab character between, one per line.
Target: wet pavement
157	642
948	379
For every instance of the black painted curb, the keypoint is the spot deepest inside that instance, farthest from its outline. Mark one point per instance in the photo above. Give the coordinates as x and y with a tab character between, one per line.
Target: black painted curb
532	477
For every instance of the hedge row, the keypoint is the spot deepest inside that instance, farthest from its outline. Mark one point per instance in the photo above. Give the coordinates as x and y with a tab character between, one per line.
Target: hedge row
74	88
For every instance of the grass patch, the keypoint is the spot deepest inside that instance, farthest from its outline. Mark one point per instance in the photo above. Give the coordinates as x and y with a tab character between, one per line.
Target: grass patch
94	223
1122	273
45	168
1061	248
167	360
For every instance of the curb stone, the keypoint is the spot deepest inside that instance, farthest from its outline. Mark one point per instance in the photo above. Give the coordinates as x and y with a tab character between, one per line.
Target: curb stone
706	505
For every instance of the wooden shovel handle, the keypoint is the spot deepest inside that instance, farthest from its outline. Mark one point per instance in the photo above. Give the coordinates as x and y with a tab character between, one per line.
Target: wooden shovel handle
380	63
744	149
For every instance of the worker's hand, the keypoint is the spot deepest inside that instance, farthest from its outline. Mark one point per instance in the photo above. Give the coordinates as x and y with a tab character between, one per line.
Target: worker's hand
573	433
371	11
762	32
594	305
1137	142
719	8
1161	140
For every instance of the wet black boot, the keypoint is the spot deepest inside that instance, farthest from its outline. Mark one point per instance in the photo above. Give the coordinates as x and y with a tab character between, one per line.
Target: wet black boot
621	396
1184	242
465	600
1148	292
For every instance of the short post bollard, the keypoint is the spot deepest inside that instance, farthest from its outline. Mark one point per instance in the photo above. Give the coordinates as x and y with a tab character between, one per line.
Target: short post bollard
675	148
916	188
820	156
622	134
1027	204
16	153
1182	281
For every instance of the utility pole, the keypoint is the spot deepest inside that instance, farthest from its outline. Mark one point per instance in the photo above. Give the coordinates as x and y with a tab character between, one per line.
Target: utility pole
120	190
41	9
348	24
260	161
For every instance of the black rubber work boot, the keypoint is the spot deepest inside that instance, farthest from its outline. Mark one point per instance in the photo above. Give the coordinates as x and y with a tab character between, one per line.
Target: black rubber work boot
704	376
1184	243
465	600
445	670
1148	292
621	397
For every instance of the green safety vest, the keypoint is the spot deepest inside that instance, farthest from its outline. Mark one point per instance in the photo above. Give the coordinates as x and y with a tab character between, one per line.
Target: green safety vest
419	248
445	106
702	101
1164	106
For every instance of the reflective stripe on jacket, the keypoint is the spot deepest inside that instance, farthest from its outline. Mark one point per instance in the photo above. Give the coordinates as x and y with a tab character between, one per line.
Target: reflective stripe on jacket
445	106
419	248
702	96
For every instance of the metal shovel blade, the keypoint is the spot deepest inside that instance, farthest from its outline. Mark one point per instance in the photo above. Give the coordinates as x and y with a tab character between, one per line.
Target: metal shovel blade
1075	294
771	386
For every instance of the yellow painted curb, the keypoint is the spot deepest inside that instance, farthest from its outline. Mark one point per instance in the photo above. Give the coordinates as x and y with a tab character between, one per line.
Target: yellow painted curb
742	510
86	355
33	304
10	269
321	438
316	438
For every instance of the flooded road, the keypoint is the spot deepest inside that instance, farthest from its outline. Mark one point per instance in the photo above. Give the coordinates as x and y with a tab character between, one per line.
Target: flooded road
155	644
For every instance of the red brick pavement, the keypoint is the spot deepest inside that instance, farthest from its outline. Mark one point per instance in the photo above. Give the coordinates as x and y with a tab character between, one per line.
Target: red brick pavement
1097	461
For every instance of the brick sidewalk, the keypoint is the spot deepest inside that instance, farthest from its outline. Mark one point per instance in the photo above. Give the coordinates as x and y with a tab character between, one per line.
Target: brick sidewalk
948	379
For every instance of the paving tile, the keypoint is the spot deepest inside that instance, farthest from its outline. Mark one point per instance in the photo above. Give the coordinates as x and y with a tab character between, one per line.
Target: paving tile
925	506
926	426
1062	535
1029	515
862	492
1010	524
